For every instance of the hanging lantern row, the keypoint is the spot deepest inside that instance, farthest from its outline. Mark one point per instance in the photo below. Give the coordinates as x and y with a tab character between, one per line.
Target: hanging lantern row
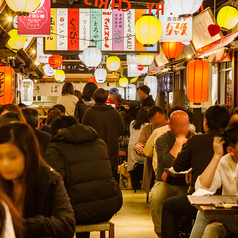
197	81
172	49
91	56
146	59
16	42
100	75
113	63
7	81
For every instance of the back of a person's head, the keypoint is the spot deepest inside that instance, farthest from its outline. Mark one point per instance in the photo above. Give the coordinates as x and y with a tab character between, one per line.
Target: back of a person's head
31	116
100	95
154	109
174	109
217	117
22	105
53	115
68	88
145	89
88	91
230	135
63	122
11	117
78	94
233	111
60	107
141	118
9	108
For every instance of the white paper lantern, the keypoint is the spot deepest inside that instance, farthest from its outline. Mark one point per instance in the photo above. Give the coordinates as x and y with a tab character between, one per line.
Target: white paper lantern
27	88
230	74
59	76
121	92
100	75
92	56
131	92
183	7
152	83
49	71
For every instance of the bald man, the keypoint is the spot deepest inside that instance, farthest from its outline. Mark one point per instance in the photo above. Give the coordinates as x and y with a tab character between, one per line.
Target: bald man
167	147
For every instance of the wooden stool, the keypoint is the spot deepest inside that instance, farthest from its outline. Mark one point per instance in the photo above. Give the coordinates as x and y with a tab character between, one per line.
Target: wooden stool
102	227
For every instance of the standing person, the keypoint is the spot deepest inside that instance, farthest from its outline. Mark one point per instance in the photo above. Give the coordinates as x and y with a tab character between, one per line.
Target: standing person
87	100
221	172
196	154
167	147
145	97
74	152
113	97
78	94
31	116
68	99
36	190
108	123
136	126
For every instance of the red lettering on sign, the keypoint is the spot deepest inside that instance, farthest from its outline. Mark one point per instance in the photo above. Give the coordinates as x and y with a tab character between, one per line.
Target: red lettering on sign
150	7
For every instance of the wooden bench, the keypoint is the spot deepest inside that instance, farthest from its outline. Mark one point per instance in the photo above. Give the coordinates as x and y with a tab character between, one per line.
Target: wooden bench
102	227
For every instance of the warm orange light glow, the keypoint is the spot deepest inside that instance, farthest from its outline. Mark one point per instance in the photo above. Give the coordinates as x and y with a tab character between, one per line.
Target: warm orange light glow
55	61
172	49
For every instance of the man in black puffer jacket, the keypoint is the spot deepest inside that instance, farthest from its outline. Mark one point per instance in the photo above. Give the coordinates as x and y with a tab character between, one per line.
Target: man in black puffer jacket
81	158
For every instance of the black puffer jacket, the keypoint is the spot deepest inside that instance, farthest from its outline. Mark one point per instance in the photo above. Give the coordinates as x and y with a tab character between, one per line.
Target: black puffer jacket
82	160
50	214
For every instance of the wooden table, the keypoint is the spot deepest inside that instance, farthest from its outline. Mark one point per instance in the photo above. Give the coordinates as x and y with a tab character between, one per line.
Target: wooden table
212	210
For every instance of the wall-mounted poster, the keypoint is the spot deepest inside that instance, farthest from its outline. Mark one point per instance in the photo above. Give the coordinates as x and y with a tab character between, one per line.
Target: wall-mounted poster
164	83
62	28
84	26
129	30
96	27
118	30
107	29
73	29
50	42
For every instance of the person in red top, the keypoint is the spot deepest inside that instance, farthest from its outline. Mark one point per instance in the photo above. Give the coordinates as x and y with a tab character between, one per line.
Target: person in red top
113	97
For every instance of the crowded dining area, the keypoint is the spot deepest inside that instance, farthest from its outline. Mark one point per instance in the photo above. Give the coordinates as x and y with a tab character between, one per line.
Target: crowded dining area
118	119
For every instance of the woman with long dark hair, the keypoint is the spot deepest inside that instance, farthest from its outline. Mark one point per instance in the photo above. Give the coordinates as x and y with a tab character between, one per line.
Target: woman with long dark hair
136	126
87	100
68	99
36	190
10	108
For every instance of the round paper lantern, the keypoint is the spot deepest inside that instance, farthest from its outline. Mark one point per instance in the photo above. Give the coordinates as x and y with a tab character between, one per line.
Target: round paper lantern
23	7
146	59
49	71
197	81
27	88
123	82
227	17
152	83
7	85
93	80
148	30
172	49
16	42
59	76
55	61
113	63
185	7
92	56
131	92
100	75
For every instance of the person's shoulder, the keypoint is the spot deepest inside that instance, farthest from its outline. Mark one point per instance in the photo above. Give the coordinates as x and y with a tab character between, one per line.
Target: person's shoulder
226	160
164	137
49	174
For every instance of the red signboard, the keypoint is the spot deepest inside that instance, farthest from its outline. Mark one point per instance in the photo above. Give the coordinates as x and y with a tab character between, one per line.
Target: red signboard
140	67
73	29
37	24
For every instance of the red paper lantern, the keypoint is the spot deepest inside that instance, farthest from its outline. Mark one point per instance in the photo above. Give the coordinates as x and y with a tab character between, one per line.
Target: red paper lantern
197	81
7	85
55	61
172	49
93	80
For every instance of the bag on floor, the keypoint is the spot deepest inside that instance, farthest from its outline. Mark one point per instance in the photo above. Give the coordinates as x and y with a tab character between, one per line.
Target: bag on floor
125	178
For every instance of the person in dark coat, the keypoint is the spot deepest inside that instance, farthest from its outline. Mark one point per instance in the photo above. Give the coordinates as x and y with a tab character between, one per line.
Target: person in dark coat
145	97
108	123
31	116
86	102
81	158
36	189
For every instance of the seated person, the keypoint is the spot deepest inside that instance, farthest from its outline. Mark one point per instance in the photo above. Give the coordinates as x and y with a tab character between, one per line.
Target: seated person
113	97
167	148
78	154
36	190
32	117
9	108
196	154
60	107
234	115
10	117
53	115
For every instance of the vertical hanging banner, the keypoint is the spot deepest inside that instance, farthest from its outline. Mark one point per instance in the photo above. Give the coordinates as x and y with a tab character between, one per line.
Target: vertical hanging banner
37	23
118	30
107	29
138	45
62	28
129	30
96	27
73	29
84	26
50	42
154	48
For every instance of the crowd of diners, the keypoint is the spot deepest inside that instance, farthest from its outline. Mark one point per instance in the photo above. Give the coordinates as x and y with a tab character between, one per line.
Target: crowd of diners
62	172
